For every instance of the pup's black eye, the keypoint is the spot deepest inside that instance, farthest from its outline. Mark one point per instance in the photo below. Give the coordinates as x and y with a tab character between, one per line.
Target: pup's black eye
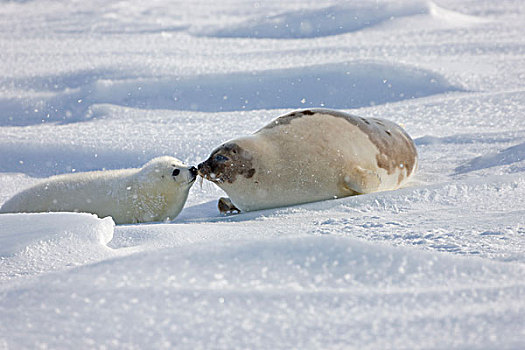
220	158
175	172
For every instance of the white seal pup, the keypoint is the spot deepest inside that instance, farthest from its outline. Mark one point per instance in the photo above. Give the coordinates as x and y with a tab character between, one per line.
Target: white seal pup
155	192
310	155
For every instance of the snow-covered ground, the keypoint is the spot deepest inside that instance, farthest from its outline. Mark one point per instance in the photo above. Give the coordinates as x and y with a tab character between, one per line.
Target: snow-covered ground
89	85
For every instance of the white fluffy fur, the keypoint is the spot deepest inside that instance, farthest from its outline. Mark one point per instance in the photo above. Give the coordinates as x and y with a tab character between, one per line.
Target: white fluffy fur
150	193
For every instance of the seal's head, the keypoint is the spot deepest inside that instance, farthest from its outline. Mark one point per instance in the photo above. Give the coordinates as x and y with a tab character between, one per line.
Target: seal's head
159	189
170	171
226	163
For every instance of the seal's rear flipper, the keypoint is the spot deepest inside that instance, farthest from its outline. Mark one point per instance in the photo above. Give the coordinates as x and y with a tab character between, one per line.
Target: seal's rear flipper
226	206
361	180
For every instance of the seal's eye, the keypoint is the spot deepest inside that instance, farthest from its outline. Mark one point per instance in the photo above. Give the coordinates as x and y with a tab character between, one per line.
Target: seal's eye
220	158
175	172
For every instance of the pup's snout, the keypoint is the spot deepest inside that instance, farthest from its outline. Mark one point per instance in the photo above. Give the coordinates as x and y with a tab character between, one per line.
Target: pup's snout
193	171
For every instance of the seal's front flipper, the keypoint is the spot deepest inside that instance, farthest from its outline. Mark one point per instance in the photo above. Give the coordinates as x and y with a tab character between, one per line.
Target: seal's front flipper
226	206
361	180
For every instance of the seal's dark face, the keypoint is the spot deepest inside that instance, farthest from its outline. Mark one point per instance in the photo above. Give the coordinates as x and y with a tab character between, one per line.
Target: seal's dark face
226	163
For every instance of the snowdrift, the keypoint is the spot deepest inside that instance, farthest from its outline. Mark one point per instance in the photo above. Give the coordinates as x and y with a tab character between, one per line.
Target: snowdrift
338	19
36	243
514	155
345	85
309	292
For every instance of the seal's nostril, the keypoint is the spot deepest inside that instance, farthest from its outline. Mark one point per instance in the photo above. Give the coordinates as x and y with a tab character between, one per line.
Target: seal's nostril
193	171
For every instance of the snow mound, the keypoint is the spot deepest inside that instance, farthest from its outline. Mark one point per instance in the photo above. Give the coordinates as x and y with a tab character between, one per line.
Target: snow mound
344	85
339	85
36	243
337	19
514	155
308	292
314	263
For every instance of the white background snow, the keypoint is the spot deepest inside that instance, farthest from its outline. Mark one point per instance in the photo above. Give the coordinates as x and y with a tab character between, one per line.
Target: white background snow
90	85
